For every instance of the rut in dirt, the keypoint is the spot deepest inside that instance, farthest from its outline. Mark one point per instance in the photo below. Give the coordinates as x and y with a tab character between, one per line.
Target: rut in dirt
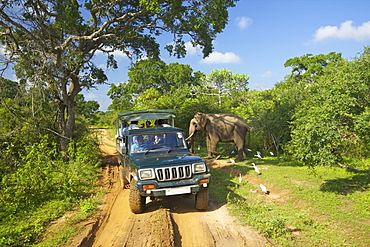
170	222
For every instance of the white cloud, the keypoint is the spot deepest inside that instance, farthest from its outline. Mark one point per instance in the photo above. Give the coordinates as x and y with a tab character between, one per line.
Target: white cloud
243	22
218	57
116	53
119	54
15	78
91	96
102	66
268	74
346	31
2	50
191	50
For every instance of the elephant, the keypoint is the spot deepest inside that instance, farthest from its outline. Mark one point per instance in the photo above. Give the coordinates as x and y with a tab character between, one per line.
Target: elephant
222	127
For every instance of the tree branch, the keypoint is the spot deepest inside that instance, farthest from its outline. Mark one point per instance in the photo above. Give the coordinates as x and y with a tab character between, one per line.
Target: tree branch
99	31
24	120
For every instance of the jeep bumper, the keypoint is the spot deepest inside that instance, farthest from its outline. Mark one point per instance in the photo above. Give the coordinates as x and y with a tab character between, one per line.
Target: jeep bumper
183	190
181	187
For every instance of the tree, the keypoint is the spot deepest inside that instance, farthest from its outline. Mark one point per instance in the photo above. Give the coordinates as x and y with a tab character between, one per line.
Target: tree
154	73
331	123
146	74
273	109
52	43
87	109
9	88
26	116
308	67
150	79
225	83
269	119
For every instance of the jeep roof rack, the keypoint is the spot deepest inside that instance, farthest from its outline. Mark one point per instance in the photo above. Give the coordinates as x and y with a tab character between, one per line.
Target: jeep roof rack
148	114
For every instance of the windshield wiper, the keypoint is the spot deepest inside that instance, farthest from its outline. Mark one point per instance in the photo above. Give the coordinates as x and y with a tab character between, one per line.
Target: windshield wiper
153	148
177	146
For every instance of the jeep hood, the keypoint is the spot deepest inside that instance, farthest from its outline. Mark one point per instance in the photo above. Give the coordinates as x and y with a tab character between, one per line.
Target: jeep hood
165	159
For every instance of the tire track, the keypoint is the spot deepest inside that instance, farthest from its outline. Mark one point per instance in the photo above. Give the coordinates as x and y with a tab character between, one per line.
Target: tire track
171	222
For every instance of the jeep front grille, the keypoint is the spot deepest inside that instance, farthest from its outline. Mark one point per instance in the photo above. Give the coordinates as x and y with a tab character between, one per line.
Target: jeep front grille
173	173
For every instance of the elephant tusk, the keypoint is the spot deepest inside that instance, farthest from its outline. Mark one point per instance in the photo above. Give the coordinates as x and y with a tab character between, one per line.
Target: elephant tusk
190	136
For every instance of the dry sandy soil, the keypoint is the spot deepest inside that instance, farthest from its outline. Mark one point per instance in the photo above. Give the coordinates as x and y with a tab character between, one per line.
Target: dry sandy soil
173	221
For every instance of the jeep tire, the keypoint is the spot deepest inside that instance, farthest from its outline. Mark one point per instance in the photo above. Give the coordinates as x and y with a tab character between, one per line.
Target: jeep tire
201	200
137	201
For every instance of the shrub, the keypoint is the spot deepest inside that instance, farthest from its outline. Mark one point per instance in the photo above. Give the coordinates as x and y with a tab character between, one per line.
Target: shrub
43	187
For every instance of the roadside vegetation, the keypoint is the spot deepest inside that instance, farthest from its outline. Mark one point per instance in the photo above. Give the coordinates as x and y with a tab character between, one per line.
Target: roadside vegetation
303	207
49	160
42	186
315	121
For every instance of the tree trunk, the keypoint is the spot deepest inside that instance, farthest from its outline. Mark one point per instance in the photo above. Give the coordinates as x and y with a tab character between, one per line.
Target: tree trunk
66	121
66	110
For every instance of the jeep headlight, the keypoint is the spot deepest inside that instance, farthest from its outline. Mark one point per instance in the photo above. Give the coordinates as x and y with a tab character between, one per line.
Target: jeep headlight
146	174
199	167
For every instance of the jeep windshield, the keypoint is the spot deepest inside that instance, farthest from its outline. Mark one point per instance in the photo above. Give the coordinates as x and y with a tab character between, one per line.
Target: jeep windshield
154	142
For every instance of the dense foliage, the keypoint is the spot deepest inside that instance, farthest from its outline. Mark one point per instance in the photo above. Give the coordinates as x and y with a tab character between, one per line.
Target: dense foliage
331	123
42	187
48	157
52	43
319	114
37	182
153	84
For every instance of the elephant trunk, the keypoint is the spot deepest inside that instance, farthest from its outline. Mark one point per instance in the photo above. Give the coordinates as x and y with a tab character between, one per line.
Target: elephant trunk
191	145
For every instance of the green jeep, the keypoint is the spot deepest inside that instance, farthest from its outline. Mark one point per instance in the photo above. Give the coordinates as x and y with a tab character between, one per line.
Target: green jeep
154	161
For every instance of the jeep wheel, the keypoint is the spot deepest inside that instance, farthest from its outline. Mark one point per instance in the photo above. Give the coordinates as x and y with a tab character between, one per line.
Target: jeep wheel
201	200
137	201
123	180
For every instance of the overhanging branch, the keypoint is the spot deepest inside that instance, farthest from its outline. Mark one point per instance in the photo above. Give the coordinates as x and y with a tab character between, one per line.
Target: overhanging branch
96	34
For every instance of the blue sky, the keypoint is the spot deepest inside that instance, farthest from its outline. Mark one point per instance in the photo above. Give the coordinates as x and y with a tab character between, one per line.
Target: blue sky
263	34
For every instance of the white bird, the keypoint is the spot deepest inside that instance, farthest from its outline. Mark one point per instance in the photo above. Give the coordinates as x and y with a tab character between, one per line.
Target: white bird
232	161
240	178
198	147
263	188
272	153
249	150
258	155
256	168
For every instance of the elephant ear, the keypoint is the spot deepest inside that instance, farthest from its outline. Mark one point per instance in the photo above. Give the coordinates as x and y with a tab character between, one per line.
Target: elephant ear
202	119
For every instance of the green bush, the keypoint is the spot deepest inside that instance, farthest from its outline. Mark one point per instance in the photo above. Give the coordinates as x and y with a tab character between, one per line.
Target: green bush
305	207
43	187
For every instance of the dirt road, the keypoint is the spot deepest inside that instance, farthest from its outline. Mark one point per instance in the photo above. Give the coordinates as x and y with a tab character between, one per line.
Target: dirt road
173	221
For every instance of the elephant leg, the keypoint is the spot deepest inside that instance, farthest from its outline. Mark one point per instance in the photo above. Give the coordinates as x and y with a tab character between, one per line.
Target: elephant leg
241	154
211	147
209	150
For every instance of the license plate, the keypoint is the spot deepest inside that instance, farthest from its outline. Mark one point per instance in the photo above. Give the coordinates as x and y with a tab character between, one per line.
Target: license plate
178	191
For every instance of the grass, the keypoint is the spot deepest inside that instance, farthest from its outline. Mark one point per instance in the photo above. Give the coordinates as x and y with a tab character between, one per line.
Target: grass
321	207
23	228
62	233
